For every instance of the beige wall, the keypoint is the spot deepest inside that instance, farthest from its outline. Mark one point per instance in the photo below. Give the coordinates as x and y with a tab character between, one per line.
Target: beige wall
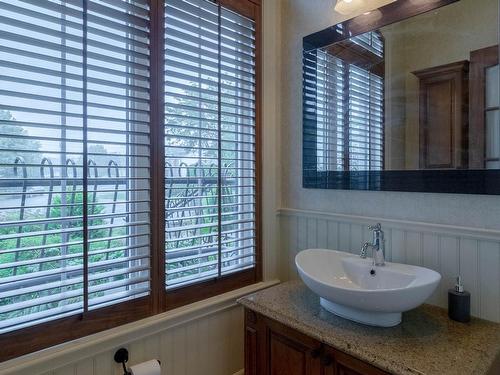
395	99
300	18
445	36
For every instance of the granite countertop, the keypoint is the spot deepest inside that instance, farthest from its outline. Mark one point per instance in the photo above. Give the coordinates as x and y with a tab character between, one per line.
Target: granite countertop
426	342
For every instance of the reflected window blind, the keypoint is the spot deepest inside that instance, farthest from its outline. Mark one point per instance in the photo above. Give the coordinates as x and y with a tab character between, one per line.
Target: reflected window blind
365	120
371	41
74	157
347	103
209	141
330	129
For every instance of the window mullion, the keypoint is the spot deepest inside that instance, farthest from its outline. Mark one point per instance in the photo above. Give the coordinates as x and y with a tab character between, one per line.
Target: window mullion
157	160
63	159
219	145
85	162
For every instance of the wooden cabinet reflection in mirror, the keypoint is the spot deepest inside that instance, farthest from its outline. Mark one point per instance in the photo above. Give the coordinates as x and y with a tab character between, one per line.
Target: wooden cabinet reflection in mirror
455	131
443	111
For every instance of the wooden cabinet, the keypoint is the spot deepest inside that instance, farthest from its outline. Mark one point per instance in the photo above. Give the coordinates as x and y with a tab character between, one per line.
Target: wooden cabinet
272	348
443	116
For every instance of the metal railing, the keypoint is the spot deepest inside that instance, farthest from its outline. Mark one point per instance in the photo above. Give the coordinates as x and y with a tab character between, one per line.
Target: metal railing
194	216
50	203
44	275
191	193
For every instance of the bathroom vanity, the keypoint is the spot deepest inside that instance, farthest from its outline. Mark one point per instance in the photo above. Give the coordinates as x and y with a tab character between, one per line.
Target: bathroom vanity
287	351
288	332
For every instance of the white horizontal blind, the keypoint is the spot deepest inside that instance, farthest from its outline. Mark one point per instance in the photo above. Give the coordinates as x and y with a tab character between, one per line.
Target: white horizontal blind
330	106
349	110
210	141
74	157
366	98
371	41
366	137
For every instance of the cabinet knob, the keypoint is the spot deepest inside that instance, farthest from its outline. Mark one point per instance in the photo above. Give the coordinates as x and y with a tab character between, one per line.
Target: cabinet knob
315	353
251	316
326	360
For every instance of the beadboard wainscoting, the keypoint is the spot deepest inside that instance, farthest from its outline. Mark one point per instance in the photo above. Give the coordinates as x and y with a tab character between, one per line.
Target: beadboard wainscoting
210	345
473	253
203	338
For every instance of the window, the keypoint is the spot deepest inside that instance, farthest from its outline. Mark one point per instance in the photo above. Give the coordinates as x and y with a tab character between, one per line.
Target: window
349	104
209	142
105	107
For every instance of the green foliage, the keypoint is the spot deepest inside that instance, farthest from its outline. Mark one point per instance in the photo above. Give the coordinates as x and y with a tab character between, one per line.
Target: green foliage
56	211
76	210
56	237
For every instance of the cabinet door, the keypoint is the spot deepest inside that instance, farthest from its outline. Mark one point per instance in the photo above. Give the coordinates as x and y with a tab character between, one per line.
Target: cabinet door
291	353
254	332
251	351
272	348
346	365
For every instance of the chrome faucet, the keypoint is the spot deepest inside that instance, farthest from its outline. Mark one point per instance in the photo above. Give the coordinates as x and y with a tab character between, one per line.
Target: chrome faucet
377	245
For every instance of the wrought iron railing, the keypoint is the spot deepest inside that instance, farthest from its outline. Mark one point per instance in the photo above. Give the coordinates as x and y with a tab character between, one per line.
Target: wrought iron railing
41	230
186	186
194	217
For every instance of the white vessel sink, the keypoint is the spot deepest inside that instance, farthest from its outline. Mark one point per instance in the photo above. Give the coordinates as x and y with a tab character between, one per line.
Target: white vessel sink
353	288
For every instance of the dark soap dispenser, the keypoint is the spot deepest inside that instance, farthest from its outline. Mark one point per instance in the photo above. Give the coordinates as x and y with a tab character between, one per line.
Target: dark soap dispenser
459	303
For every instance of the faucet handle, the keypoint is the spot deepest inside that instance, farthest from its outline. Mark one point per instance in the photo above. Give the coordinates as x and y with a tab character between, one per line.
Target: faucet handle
376	227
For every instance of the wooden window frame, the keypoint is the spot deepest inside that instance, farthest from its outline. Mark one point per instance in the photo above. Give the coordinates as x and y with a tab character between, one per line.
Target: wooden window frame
209	288
480	60
27	340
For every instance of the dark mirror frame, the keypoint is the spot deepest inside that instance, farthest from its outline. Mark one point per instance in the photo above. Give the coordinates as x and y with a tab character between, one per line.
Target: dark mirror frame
459	181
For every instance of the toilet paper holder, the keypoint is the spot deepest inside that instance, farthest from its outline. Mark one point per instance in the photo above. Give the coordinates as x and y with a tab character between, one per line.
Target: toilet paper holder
121	356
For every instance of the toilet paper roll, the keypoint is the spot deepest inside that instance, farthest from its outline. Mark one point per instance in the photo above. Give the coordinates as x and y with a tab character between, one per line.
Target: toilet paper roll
146	368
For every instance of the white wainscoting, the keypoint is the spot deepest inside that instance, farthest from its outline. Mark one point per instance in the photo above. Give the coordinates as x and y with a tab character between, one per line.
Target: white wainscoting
450	250
205	337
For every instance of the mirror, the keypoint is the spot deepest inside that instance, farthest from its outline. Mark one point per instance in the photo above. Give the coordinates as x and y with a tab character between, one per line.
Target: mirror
412	87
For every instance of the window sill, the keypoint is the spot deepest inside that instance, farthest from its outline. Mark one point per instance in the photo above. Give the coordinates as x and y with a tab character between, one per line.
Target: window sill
73	351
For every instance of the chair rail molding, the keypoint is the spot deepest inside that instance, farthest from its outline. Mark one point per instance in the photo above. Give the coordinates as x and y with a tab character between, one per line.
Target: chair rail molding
474	253
472	232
